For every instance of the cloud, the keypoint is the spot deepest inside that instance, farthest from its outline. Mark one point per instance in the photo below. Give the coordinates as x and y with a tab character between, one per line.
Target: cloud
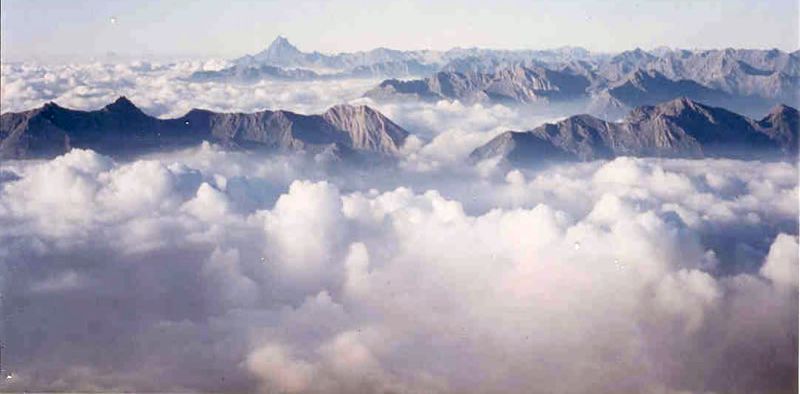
444	132
162	89
781	264
209	270
213	270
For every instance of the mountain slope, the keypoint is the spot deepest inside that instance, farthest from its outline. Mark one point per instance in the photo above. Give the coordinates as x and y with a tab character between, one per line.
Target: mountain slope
650	88
121	128
766	74
677	128
521	84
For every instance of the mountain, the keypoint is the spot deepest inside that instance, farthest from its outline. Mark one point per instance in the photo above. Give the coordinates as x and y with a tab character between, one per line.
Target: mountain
649	88
375	63
769	74
279	53
677	128
254	74
282	53
396	69
121	128
756	79
782	124
283	61
518	84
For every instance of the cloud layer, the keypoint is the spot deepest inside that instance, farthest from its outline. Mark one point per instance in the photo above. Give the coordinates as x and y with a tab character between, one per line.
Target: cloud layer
444	132
210	270
225	271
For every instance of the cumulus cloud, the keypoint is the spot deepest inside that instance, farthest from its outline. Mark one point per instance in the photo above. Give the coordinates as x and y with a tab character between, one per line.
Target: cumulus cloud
209	270
214	270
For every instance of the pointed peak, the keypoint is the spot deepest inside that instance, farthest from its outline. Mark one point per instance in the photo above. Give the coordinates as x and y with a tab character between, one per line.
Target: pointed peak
281	42
122	100
122	104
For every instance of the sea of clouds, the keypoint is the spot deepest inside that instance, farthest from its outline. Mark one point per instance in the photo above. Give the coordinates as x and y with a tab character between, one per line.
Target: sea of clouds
217	271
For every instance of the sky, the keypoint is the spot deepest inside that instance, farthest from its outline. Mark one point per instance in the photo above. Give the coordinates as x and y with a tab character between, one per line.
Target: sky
89	28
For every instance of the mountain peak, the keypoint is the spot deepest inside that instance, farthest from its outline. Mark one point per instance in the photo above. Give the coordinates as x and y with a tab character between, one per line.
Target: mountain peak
280	41
680	107
51	105
281	45
122	105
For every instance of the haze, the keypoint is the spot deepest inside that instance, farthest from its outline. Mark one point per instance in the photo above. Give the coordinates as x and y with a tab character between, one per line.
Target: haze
38	29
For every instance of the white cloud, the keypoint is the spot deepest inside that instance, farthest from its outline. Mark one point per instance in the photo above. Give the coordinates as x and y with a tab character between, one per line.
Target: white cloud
225	271
782	260
211	270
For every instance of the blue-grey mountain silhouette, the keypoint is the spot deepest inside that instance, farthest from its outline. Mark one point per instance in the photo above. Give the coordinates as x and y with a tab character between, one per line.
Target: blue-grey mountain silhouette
121	128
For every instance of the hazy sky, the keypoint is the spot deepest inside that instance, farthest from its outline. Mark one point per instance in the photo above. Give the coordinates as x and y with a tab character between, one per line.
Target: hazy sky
84	28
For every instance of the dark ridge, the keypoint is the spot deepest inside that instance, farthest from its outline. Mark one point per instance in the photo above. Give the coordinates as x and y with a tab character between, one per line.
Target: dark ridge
676	128
121	128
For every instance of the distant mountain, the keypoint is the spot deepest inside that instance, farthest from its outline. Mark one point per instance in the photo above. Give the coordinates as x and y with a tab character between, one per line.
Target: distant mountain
516	84
677	128
121	128
283	61
756	79
405	68
283	54
769	74
611	87
254	74
649	88
376	63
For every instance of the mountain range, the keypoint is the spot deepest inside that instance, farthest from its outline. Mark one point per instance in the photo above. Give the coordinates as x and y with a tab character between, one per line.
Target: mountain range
521	84
282	60
121	129
676	128
747	81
